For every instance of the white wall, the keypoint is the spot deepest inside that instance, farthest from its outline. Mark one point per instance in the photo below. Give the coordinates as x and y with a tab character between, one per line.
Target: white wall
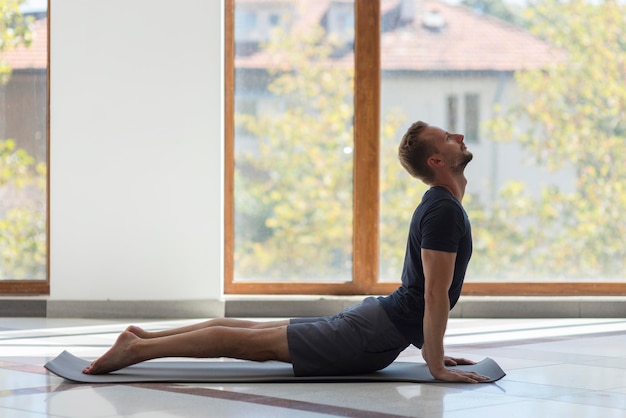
136	150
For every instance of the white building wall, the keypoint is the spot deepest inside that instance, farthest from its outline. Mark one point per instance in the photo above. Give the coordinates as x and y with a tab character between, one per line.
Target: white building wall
136	150
422	97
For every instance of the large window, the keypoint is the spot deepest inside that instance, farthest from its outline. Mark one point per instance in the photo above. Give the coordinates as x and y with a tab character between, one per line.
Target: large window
23	146
296	163
315	199
293	120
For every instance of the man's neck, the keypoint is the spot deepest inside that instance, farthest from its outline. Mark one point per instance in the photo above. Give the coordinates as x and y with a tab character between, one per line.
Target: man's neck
455	185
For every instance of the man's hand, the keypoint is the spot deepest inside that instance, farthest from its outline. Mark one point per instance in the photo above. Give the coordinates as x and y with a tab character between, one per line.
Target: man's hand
451	361
451	375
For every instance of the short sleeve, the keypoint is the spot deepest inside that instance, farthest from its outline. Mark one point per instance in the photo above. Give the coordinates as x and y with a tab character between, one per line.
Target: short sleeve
442	227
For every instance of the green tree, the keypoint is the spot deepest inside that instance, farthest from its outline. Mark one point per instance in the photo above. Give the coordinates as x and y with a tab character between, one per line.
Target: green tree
22	214
22	182
498	8
399	195
293	184
573	114
14	31
293	193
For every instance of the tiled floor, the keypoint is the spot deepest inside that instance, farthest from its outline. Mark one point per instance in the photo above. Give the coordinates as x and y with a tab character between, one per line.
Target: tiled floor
555	368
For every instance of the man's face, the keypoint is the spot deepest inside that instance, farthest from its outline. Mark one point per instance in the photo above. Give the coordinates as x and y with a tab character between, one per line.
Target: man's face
450	147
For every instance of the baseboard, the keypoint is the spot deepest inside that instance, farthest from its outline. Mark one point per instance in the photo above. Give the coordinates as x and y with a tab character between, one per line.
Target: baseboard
272	306
467	307
23	307
541	307
151	309
280	306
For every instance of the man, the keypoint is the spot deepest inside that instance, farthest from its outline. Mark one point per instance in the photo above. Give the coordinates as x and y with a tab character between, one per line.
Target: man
370	335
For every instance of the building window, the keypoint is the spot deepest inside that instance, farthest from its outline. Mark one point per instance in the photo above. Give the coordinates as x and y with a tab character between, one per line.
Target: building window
452	103
246	26
472	117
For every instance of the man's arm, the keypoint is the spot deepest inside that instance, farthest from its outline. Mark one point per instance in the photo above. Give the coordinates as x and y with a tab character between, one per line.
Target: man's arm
438	271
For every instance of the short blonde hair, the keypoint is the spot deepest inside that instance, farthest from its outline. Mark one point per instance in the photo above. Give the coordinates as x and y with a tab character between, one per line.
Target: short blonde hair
414	151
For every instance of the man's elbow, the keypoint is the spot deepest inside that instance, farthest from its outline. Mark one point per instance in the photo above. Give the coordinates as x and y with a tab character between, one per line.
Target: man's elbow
436	300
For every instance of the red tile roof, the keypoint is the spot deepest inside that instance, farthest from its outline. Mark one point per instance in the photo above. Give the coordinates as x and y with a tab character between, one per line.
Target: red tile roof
468	41
36	56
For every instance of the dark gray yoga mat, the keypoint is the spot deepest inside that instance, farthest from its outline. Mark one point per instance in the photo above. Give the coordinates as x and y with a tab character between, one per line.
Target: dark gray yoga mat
70	367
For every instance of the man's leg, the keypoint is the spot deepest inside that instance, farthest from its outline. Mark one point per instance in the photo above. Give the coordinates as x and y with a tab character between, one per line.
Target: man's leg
208	342
218	322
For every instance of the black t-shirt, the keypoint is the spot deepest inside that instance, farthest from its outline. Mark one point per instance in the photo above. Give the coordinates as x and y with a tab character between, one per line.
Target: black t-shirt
438	223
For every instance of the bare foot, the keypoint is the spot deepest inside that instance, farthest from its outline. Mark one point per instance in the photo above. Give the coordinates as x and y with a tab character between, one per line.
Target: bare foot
118	356
140	332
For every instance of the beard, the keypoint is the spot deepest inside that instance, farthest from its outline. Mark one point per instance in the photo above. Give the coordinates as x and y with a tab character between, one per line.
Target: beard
463	161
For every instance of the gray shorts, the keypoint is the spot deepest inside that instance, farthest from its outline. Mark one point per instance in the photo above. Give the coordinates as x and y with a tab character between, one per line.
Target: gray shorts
361	339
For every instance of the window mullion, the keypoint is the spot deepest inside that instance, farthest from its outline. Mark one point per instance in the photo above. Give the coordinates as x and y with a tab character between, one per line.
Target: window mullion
366	143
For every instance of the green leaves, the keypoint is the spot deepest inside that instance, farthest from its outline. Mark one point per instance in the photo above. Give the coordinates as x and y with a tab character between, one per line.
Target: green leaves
573	114
22	215
14	31
297	171
293	183
22	204
23	244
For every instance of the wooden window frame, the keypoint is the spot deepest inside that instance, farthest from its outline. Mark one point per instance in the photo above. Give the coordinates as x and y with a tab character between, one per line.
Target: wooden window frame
38	287
366	184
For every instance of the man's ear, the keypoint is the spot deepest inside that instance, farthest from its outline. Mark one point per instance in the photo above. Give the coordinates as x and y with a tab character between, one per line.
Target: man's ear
435	160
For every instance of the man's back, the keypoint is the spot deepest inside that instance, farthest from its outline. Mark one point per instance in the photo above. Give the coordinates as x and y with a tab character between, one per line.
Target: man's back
438	223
